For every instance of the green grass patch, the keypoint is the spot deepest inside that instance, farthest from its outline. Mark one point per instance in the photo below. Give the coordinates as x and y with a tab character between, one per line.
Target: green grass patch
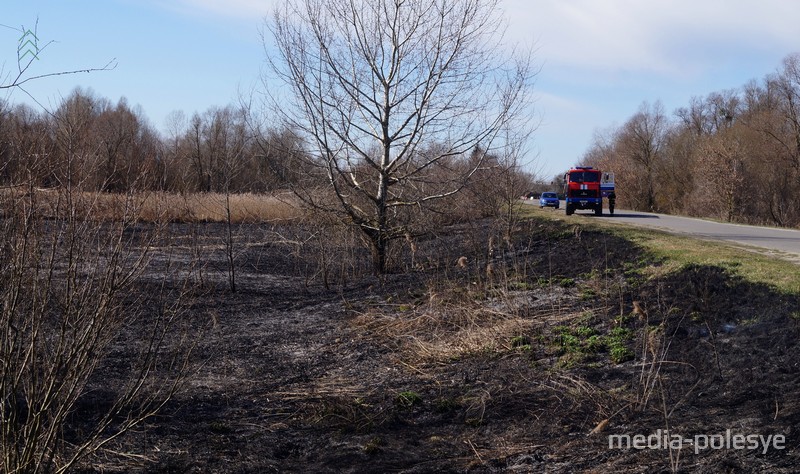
566	282
679	251
577	343
408	399
617	343
522	343
673	252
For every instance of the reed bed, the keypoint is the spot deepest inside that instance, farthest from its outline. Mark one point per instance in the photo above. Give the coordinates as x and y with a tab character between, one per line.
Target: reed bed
154	206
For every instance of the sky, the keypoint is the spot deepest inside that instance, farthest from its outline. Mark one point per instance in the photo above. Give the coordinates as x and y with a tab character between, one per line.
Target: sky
598	60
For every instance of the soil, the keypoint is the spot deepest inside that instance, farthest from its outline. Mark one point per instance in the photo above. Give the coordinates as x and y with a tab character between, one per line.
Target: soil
508	363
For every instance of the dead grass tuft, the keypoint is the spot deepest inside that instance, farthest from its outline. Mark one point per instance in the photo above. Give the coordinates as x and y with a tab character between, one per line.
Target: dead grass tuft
441	330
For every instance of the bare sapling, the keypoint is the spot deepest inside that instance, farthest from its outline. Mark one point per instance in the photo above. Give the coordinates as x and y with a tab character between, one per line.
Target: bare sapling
69	287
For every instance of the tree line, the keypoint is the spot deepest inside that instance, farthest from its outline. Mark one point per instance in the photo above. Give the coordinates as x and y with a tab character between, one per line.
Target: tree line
91	143
732	155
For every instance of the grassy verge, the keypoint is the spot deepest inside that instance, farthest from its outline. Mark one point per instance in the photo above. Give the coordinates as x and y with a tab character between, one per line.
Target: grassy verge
676	251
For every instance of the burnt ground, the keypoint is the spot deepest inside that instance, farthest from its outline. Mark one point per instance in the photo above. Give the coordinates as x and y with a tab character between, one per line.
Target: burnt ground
528	365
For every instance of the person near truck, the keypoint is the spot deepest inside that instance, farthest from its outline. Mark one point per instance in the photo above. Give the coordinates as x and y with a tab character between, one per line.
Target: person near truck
612	198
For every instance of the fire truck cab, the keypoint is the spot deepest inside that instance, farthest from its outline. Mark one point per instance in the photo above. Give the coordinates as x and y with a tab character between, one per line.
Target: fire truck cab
585	188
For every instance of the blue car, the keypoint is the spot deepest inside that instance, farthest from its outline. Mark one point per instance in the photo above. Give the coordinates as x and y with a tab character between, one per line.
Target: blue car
549	200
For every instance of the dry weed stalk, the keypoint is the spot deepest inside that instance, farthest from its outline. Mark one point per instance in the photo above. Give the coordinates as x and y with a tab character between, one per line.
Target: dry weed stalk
655	348
580	389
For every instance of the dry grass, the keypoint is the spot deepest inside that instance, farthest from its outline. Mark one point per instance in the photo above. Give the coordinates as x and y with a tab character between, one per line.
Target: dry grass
211	207
160	206
440	331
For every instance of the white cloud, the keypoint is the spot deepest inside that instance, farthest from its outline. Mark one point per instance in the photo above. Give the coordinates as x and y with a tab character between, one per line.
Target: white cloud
672	37
655	36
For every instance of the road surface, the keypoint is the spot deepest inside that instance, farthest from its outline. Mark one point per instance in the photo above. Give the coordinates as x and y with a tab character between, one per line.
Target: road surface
781	242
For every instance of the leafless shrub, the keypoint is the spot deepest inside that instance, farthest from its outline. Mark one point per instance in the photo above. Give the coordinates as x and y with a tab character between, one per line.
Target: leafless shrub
70	266
68	287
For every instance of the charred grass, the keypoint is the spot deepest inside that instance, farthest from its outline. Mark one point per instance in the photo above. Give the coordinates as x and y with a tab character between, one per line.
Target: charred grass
524	355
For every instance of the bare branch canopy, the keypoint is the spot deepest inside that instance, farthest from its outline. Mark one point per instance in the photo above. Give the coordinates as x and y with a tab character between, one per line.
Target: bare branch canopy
391	94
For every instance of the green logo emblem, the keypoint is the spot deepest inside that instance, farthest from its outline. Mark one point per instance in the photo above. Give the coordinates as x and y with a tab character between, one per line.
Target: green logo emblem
28	45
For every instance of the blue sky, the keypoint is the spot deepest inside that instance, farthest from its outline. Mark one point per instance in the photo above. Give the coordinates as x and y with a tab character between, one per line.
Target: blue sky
599	59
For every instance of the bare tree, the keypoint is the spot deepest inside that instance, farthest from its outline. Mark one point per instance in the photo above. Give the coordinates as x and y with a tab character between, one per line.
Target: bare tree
500	182
677	170
788	91
230	135
69	292
390	94
125	144
774	113
640	142
177	163
721	174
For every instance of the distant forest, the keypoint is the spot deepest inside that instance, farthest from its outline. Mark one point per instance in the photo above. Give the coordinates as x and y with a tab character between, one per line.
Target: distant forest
93	144
733	155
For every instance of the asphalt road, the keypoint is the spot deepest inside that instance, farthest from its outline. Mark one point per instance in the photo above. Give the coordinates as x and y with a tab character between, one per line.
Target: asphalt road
781	242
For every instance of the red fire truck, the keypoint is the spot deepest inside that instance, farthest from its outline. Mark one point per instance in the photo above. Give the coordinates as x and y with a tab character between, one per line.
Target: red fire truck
585	188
